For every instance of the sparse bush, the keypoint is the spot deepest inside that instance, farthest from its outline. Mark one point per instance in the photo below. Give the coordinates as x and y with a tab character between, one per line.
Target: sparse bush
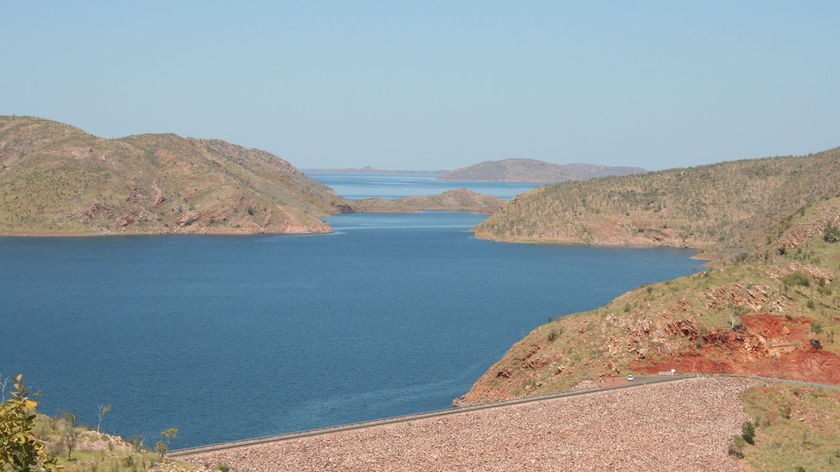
816	344
785	411
748	432
831	234
797	278
736	447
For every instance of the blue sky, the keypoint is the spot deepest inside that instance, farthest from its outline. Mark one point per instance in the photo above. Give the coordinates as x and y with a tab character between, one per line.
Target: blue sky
437	84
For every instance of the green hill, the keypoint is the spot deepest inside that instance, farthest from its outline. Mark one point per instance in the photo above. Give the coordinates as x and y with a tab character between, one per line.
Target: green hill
59	180
726	208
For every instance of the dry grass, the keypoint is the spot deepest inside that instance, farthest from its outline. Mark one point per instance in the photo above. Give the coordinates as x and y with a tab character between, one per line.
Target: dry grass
796	426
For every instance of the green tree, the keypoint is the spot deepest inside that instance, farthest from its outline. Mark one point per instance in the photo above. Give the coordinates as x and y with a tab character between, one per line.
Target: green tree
20	450
103	410
69	432
163	446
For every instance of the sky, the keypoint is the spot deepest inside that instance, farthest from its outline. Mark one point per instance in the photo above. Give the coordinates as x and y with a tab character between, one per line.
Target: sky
427	85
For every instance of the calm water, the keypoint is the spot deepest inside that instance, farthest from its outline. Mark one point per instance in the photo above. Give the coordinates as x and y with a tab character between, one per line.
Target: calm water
392	186
238	337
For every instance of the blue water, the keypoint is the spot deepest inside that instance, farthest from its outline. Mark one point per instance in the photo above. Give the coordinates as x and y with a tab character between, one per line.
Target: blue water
393	186
229	338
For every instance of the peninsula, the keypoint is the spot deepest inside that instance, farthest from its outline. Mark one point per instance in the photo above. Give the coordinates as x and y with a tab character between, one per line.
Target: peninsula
530	170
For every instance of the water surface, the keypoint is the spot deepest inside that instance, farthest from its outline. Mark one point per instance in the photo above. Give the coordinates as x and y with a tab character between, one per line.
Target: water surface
229	338
393	186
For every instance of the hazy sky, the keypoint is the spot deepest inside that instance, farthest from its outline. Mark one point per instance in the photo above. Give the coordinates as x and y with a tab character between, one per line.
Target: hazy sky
437	84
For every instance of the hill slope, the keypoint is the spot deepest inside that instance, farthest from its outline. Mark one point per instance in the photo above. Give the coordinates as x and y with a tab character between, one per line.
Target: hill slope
777	314
724	206
530	170
59	180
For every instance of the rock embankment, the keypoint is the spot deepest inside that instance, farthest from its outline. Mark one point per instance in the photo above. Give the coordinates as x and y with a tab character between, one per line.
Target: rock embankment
684	425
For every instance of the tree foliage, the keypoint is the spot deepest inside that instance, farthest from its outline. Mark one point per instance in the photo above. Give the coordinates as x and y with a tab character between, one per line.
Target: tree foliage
163	446
20	450
69	432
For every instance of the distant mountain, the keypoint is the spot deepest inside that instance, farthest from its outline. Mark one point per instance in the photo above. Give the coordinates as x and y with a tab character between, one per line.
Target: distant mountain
530	170
371	170
58	180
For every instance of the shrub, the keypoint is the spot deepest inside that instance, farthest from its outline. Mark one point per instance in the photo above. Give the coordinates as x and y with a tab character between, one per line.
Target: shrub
736	447
831	234
19	448
748	432
797	278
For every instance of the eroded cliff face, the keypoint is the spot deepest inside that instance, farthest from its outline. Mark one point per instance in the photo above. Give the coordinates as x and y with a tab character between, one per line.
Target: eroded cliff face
58	180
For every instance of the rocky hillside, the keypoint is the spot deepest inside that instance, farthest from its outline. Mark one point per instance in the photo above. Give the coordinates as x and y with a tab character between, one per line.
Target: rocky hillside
775	313
59	180
460	200
530	170
727	207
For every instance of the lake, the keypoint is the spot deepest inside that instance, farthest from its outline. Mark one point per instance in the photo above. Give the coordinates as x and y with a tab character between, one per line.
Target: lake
230	338
393	186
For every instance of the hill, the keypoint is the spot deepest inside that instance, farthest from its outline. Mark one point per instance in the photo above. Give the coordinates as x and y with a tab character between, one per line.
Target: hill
367	170
530	170
726	208
776	314
459	200
58	180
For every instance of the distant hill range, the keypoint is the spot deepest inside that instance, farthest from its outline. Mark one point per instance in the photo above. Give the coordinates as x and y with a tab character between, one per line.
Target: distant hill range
58	180
726	207
370	170
530	170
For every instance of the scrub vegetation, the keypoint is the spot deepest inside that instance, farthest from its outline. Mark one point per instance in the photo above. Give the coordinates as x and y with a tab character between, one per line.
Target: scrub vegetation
59	180
726	209
30	441
794	428
769	305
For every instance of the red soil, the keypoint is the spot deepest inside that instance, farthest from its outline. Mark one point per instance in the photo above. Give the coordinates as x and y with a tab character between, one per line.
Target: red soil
772	346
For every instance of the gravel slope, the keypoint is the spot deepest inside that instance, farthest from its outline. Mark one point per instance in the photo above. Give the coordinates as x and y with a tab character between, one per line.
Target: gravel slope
684	425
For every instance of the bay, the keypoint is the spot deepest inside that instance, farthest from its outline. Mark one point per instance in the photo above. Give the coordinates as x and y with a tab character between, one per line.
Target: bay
230	338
